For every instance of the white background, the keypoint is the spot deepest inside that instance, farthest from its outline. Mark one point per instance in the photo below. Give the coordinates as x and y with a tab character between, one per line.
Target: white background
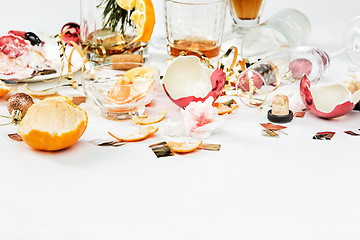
255	188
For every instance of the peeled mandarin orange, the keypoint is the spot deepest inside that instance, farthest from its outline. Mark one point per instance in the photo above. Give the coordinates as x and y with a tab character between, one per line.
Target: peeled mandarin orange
4	89
126	4
144	20
151	120
184	147
141	134
53	124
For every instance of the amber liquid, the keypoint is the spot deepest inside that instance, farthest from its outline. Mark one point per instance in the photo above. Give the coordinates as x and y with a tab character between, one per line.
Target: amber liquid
112	42
245	9
209	48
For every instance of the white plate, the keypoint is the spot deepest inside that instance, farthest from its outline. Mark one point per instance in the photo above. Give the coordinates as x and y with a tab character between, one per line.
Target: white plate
53	54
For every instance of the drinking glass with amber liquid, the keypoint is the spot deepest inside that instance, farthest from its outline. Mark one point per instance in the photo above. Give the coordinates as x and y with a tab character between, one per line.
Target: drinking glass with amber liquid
194	26
245	14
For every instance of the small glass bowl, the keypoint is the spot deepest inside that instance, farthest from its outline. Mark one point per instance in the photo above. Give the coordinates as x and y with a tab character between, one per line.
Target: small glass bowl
121	94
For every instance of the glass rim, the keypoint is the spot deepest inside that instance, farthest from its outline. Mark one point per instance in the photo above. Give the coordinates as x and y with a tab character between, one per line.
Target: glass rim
188	2
108	67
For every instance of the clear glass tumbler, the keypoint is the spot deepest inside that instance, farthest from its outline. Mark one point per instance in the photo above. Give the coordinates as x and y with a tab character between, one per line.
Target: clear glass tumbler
287	28
107	29
194	25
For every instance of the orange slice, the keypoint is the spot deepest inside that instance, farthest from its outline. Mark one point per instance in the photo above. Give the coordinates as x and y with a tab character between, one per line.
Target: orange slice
126	4
223	109
52	124
144	20
4	89
147	121
140	74
184	147
137	136
120	91
133	86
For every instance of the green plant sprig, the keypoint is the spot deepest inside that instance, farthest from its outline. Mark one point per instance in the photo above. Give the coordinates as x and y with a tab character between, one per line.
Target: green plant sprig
114	15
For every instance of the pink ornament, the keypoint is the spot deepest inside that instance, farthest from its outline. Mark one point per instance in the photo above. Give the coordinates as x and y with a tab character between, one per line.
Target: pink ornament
71	32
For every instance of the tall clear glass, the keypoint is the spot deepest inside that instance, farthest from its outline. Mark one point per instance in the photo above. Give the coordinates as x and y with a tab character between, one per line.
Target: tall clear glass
108	34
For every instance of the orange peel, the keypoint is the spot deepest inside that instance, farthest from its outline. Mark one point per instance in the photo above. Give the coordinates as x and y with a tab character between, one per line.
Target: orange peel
224	109
141	134
184	147
151	120
53	124
4	89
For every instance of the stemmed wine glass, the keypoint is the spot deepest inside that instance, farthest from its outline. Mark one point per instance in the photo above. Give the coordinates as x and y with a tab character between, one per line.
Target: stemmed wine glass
351	42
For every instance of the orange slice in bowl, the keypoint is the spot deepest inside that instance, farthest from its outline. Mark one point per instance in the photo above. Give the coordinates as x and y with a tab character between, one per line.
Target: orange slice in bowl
144	20
120	91
184	147
140	74
138	135
147	121
4	89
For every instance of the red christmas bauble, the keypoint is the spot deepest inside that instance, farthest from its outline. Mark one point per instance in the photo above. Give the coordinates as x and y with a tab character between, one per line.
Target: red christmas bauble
71	32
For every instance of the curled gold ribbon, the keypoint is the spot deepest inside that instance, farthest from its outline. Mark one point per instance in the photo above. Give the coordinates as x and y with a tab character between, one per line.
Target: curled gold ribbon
223	58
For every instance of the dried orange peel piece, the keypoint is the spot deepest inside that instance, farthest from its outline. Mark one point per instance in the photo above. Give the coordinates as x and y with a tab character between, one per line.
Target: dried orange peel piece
224	109
138	135
184	147
151	120
4	89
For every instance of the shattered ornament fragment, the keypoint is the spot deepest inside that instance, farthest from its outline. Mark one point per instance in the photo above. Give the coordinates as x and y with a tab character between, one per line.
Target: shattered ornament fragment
187	80
328	101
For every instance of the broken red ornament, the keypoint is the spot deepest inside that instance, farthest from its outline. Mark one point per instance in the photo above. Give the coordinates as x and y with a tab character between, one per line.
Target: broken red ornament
187	80
352	133
323	135
327	101
271	126
71	32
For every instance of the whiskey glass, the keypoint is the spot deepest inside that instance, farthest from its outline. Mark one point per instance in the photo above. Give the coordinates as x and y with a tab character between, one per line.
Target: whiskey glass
245	14
194	26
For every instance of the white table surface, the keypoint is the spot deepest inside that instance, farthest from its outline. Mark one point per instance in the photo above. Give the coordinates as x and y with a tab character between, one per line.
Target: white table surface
255	188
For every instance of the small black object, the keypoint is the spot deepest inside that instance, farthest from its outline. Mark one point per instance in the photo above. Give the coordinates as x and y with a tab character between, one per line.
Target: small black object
33	38
280	118
357	107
